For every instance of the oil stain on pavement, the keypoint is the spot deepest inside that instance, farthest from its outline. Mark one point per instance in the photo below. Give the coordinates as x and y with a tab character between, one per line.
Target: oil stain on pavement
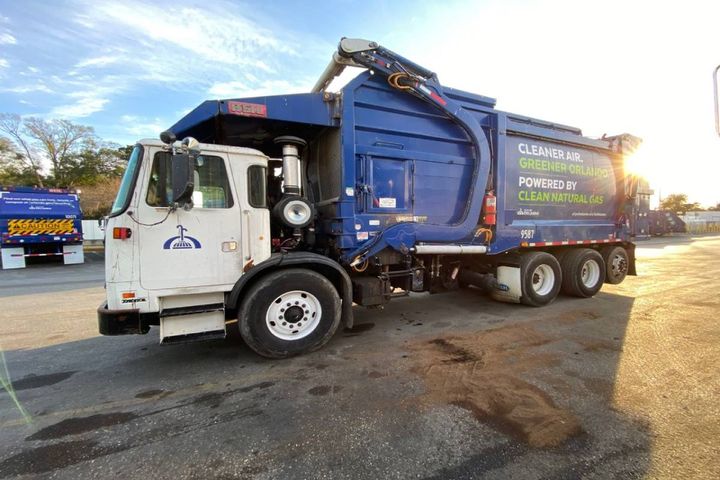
38	381
76	426
481	372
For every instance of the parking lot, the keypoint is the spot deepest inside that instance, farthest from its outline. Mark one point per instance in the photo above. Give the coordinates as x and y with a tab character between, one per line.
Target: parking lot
623	385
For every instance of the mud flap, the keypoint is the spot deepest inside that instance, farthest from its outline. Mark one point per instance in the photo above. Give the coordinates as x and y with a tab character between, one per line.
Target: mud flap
631	259
73	254
13	258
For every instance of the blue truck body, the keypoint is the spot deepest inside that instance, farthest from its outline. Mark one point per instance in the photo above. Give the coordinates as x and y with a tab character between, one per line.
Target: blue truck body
406	173
39	222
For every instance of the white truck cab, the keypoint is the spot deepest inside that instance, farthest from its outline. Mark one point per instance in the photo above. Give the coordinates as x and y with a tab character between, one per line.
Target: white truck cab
179	263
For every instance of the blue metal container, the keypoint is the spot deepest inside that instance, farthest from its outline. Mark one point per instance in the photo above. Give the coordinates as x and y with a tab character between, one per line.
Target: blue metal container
33	216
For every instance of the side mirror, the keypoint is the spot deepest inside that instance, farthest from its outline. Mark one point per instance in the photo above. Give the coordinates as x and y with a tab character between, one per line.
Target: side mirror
167	137
183	181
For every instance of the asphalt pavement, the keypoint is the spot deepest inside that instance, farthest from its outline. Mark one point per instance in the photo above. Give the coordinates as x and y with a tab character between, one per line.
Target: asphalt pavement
49	274
622	385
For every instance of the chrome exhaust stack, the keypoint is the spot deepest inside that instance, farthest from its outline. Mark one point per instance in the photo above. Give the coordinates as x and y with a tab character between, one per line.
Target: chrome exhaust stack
293	210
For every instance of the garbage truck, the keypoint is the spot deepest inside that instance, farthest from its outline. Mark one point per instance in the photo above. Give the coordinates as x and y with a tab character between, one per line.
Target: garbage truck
40	222
276	214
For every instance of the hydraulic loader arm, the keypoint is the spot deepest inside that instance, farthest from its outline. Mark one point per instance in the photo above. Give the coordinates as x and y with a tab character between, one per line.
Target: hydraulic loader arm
409	77
356	52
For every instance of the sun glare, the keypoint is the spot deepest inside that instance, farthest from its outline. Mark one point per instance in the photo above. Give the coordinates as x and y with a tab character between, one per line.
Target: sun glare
637	163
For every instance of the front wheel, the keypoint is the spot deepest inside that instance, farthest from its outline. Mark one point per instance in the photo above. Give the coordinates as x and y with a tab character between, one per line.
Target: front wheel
288	313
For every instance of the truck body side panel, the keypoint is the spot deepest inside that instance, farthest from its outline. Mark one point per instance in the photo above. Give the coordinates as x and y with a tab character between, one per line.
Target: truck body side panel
411	163
403	161
554	192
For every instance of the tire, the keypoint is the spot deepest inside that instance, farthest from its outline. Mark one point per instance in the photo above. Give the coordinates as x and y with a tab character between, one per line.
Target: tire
560	254
583	272
288	313
616	264
540	278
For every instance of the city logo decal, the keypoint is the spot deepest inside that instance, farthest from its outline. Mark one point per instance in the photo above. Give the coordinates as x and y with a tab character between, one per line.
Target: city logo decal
182	241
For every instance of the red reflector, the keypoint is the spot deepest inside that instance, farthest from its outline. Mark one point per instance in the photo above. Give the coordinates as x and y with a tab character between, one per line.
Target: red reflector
121	233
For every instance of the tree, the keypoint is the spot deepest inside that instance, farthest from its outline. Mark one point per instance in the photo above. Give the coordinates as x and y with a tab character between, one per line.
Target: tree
30	159
54	141
75	155
96	200
60	141
94	164
13	171
678	203
716	208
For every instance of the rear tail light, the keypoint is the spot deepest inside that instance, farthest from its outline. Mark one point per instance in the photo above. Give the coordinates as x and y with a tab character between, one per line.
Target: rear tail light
121	233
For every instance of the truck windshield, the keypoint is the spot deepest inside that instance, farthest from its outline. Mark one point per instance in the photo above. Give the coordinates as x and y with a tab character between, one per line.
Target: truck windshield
128	181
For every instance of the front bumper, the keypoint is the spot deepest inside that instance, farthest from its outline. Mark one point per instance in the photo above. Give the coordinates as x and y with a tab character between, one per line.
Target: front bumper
124	322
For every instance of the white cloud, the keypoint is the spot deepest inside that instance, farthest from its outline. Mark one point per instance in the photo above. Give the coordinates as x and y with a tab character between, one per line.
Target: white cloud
192	50
226	89
145	128
190	47
97	62
216	34
236	89
110	48
7	39
38	87
82	104
30	72
84	20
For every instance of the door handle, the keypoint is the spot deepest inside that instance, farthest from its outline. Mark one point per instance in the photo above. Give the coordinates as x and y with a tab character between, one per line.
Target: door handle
247	234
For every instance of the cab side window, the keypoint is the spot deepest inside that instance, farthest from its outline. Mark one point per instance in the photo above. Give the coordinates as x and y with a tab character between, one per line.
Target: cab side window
212	188
257	178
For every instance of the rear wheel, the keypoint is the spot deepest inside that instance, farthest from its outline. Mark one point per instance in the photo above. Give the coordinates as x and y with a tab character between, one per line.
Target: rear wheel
616	264
541	278
288	313
583	272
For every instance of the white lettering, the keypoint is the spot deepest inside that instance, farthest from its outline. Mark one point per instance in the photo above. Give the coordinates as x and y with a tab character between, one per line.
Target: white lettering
549	152
546	183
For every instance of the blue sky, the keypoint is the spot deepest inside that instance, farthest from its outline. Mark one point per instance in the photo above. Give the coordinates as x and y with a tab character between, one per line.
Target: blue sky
131	69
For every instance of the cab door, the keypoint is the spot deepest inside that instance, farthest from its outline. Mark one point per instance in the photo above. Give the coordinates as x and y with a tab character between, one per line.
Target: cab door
200	247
